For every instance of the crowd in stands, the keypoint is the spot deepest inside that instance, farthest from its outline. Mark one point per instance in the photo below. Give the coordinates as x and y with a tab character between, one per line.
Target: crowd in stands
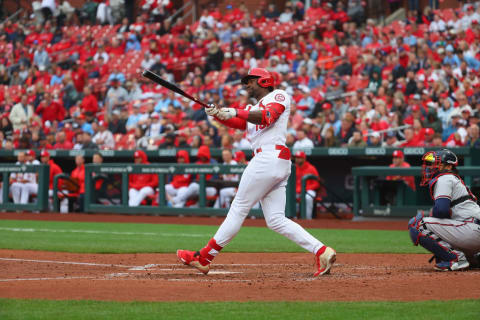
71	82
75	86
70	79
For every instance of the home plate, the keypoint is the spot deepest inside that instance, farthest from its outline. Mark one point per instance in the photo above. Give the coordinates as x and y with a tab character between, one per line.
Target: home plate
224	272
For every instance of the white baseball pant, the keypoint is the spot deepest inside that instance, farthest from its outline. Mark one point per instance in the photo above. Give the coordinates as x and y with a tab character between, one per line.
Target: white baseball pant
135	197
260	183
193	189
225	197
22	191
309	197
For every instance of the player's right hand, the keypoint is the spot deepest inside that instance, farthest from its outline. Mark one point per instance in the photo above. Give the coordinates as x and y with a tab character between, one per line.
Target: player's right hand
212	110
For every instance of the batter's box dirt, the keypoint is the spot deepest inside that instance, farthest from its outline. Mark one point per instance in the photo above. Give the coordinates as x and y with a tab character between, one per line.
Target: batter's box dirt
239	276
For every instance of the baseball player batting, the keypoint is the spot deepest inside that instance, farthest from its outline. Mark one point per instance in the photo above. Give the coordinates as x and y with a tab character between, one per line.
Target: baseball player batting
452	229
265	177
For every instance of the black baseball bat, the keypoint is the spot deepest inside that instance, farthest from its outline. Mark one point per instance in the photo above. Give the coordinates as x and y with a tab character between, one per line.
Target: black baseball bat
170	86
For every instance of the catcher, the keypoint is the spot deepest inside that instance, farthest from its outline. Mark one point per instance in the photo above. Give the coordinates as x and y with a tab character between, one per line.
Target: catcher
452	229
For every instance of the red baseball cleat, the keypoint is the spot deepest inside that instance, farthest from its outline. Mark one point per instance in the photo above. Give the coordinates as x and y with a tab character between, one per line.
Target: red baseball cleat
325	259
192	259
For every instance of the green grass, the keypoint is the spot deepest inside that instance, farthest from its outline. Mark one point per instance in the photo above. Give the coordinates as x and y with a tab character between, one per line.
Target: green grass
88	237
50	309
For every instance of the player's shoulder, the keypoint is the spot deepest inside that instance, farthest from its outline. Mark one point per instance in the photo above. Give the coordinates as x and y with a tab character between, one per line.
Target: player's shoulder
445	178
278	95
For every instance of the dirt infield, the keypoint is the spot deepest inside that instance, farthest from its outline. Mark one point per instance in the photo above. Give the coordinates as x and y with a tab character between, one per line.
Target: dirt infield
239	277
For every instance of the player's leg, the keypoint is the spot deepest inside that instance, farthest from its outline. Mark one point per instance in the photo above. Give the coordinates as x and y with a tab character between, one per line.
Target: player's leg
273	206
132	197
142	194
249	192
24	193
32	188
184	193
227	196
309	197
15	190
437	236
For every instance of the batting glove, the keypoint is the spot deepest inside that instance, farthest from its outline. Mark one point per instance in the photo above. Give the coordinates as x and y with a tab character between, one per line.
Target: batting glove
226	113
212	110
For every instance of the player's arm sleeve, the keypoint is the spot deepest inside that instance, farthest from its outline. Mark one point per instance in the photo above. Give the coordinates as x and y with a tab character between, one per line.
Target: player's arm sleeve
235	123
443	196
265	117
441	208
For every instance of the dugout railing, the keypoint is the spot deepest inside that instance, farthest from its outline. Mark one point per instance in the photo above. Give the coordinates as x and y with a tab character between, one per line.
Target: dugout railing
370	182
40	199
164	171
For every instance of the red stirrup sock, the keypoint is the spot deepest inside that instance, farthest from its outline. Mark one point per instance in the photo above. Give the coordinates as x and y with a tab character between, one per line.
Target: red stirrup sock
209	252
321	250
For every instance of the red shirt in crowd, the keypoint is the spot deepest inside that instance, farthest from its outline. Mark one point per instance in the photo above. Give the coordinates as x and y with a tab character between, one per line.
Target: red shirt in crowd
303	170
66	145
138	181
51	112
54	170
79	174
409	180
90	103
182	180
79	78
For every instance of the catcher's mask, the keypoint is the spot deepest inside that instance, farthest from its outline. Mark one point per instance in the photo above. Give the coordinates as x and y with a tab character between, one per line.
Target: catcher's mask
431	163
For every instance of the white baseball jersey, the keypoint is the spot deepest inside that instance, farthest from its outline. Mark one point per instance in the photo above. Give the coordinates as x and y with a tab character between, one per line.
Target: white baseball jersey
18	176
451	187
276	133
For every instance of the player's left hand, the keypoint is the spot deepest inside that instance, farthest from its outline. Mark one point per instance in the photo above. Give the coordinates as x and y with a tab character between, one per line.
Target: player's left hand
212	110
226	113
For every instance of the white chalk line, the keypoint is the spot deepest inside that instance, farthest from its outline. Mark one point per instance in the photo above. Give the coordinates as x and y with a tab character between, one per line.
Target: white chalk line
157	234
42	279
69	262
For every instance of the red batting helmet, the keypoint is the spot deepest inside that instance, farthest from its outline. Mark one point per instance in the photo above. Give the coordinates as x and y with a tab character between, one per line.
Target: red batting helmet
265	78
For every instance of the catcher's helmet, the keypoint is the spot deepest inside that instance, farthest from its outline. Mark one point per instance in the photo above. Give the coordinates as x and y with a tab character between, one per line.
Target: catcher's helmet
265	78
432	160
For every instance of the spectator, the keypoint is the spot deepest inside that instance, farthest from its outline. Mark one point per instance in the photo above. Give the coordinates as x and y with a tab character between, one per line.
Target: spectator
375	140
303	168
176	189
473	140
346	129
78	177
141	186
22	185
203	157
87	141
62	142
356	140
226	194
303	142
132	43
104	138
41	58
117	124
215	57
21	114
54	169
78	76
399	162
117	96
89	102
239	141
50	110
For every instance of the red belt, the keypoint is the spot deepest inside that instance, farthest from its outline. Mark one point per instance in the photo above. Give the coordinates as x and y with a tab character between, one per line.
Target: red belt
284	152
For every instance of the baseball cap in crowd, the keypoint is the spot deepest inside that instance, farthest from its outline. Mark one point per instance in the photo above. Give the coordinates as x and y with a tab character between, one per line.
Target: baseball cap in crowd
137	154
228	55
397	154
102	123
307	121
326	106
45	153
31	153
17	131
155	115
300	154
416	96
415	108
239	155
391	134
429	131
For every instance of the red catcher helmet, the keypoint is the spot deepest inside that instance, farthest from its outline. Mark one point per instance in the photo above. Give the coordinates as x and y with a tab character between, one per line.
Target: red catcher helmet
265	78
